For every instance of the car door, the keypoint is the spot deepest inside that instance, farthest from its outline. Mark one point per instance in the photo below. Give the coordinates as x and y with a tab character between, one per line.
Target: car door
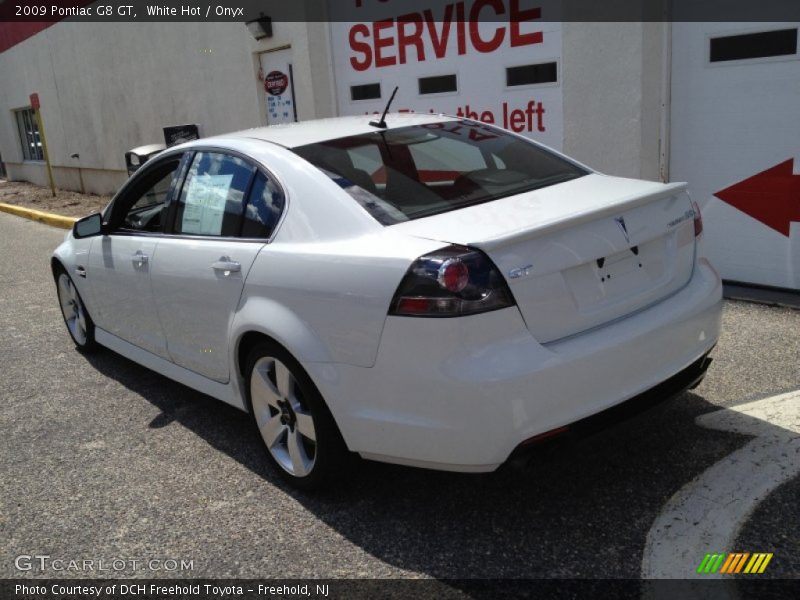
121	261
223	216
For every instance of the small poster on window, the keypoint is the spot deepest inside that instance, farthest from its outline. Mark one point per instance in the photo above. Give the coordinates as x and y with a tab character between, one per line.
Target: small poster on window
204	206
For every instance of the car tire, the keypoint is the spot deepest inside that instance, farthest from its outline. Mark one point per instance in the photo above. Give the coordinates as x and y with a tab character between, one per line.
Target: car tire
79	324
300	436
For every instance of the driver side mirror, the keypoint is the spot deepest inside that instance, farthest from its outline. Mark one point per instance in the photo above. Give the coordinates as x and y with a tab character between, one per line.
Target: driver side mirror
88	226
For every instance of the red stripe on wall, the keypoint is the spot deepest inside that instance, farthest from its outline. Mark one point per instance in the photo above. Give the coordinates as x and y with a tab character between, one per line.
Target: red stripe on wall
12	34
14	29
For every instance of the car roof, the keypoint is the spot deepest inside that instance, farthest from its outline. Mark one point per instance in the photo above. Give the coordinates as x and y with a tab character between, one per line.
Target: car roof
291	135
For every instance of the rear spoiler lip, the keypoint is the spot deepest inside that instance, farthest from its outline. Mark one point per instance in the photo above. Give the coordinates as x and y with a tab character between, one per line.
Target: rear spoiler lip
519	235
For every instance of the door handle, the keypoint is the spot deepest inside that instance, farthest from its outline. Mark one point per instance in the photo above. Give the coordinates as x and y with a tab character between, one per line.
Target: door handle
226	264
140	258
81	271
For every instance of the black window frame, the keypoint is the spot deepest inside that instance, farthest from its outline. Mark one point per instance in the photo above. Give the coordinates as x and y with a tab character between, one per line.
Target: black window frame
518	68
724	54
364	86
30	145
429	78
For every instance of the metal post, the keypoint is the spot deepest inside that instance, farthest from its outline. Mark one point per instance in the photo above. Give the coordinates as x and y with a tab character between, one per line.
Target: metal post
40	125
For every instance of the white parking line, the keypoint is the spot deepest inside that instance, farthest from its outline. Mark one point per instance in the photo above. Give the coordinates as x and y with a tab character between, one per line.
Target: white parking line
706	515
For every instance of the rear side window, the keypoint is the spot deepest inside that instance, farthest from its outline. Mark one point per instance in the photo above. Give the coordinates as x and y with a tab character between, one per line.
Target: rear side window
421	170
264	208
212	197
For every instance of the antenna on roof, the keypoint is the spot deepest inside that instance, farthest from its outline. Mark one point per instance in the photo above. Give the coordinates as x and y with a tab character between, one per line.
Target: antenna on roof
382	122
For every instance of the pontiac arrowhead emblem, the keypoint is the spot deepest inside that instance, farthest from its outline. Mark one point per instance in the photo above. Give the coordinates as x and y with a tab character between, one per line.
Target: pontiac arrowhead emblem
621	222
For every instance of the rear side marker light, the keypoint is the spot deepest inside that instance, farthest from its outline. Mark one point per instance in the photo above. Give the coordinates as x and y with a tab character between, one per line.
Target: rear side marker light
543	437
698	219
451	282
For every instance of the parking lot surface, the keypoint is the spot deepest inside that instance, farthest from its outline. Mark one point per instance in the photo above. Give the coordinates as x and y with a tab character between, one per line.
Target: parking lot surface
103	459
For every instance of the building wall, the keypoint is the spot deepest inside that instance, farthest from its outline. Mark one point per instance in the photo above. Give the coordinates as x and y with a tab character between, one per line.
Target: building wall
105	90
612	78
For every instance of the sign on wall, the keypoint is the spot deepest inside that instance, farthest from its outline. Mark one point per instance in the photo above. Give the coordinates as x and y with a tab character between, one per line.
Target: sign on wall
497	61
276	74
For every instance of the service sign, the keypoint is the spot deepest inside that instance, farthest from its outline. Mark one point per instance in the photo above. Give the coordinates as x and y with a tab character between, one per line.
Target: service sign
497	61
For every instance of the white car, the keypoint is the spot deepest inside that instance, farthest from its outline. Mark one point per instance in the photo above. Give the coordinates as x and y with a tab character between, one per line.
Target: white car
426	290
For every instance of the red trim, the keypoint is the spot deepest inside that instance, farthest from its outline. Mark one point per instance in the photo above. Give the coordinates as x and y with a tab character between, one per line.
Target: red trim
12	34
13	30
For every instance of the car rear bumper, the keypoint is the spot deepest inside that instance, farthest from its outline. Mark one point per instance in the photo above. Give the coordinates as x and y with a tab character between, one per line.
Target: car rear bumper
461	394
687	379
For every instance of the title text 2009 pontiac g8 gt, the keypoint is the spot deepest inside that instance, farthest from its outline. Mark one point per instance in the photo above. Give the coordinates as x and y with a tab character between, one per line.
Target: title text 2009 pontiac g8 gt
435	292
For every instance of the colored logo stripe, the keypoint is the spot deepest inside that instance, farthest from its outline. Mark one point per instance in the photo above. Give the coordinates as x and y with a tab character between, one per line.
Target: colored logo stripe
710	563
734	562
758	563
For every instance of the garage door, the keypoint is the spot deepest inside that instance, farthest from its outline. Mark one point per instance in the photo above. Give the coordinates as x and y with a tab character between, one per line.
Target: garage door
735	137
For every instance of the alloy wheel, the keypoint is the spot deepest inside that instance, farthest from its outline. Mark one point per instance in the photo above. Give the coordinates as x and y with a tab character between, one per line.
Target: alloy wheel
283	418
72	309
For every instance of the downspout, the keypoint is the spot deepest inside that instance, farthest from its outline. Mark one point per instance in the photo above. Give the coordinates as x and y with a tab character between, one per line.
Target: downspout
666	93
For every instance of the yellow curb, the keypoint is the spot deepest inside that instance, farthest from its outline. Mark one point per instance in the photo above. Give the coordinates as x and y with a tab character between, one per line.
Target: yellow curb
37	215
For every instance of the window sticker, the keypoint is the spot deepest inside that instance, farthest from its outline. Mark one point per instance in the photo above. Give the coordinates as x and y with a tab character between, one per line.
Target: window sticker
205	204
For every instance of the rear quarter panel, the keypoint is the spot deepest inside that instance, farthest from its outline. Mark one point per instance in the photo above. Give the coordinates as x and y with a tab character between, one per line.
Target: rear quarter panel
327	301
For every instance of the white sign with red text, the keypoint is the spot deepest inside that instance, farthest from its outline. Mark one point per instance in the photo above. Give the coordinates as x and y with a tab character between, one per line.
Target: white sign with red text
394	43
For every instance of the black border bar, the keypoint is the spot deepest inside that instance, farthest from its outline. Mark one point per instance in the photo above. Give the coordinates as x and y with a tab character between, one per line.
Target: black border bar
750	587
12	11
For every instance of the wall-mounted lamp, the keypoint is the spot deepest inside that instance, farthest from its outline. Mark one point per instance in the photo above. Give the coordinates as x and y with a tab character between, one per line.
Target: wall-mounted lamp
261	27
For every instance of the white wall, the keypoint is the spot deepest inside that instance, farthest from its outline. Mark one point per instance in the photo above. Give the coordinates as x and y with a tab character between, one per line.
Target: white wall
612	75
106	89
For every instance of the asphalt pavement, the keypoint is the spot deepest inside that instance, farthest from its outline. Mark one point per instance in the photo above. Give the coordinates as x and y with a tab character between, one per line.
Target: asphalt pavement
103	459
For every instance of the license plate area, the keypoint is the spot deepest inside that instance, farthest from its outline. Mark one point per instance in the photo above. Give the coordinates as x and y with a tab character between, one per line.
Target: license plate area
619	265
619	278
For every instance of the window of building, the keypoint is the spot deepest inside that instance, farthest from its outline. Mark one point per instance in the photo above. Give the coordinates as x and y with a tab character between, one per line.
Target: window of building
29	135
438	85
530	74
782	42
367	91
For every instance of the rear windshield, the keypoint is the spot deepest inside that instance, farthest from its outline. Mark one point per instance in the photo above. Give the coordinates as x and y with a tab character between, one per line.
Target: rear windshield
422	170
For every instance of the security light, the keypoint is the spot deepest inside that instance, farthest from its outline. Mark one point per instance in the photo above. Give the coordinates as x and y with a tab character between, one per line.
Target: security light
261	27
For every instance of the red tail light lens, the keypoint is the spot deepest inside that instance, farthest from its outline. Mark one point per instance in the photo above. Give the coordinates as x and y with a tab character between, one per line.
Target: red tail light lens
451	282
698	220
453	275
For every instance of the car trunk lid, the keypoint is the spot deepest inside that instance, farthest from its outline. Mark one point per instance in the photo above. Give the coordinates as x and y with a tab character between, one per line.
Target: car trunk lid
582	253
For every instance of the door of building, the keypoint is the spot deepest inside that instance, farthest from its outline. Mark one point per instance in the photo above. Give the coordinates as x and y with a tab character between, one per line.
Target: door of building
278	81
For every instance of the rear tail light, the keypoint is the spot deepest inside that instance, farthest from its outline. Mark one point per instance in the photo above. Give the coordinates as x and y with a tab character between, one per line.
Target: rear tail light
451	282
698	219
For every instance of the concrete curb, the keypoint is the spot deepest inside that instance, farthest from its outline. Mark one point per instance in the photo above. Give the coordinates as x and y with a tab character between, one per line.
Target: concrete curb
37	215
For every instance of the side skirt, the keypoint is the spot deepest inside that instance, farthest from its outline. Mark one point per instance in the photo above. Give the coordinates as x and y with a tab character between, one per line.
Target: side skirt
221	391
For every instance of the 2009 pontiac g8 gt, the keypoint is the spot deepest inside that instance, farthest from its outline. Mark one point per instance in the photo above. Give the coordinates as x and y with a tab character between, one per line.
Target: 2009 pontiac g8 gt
435	292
